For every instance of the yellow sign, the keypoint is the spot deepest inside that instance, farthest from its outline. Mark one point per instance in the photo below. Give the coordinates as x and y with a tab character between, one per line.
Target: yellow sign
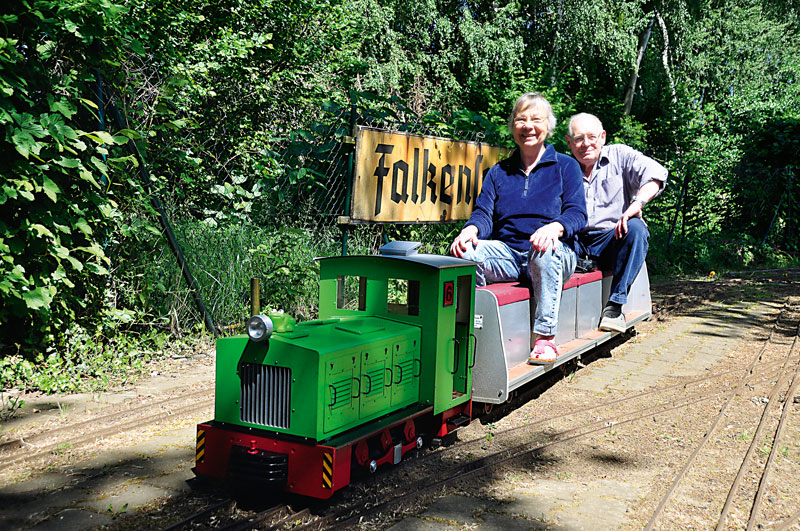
405	178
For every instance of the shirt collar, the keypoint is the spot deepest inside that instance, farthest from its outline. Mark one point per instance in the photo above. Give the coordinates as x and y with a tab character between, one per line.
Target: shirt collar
550	155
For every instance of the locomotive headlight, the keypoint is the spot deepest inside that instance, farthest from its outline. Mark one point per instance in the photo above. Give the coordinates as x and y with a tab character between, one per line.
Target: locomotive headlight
259	327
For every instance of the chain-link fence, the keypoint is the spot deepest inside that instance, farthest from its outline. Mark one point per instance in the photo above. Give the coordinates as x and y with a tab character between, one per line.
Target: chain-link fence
296	217
316	162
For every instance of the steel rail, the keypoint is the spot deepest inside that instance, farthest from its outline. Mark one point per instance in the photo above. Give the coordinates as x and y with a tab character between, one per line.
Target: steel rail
789	522
486	463
261	517
481	464
712	427
200	514
113	430
781	381
768	466
18	443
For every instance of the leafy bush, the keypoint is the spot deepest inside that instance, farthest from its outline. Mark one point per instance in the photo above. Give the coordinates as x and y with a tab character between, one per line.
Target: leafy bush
90	359
54	169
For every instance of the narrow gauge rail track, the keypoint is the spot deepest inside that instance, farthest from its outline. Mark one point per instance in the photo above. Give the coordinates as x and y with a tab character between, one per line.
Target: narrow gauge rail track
784	375
357	513
366	508
374	506
30	448
499	458
274	517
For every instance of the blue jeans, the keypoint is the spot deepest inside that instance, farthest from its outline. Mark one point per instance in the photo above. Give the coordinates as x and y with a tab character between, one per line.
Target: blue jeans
547	271
624	256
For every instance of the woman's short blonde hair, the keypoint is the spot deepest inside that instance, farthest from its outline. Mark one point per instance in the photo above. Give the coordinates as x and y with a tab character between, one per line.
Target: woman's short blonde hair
533	99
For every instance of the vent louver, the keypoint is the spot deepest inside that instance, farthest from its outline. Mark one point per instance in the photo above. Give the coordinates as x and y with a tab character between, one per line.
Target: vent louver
266	395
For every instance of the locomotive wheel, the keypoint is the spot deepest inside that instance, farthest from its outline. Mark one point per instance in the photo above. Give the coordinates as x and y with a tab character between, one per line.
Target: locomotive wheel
386	439
362	452
409	430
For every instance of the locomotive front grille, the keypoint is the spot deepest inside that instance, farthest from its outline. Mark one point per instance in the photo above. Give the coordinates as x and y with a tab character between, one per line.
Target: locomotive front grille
266	395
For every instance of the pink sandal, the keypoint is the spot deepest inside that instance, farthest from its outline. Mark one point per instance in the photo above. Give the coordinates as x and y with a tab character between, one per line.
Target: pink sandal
544	352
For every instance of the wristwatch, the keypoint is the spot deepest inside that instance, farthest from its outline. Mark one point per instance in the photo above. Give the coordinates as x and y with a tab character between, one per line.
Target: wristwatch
642	201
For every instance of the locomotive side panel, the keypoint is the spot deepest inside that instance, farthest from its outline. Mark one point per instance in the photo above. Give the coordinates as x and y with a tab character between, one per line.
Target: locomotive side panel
432	292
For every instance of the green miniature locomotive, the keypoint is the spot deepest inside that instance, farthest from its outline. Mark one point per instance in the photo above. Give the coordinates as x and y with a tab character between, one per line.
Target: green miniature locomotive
300	405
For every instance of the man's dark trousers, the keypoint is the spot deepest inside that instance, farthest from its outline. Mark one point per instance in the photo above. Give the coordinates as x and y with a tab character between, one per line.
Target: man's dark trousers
624	256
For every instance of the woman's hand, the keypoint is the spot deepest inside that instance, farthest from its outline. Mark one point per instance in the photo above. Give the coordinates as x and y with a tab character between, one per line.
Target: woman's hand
545	238
467	236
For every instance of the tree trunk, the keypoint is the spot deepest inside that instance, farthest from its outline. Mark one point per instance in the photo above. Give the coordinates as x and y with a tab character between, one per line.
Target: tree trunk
644	37
678	206
665	58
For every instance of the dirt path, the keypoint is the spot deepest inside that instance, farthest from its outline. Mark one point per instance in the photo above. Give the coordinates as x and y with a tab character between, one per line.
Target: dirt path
705	335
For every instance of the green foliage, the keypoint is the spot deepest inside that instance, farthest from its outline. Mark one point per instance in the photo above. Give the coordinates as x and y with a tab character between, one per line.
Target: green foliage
55	168
10	404
241	108
87	360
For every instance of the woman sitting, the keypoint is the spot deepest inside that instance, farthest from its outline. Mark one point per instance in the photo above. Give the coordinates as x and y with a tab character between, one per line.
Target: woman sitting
528	212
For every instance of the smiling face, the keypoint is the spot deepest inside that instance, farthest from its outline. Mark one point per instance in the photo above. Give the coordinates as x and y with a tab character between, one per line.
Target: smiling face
530	127
586	139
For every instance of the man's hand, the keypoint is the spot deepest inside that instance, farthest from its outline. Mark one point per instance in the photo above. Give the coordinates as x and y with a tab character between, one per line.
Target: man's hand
546	237
467	236
634	211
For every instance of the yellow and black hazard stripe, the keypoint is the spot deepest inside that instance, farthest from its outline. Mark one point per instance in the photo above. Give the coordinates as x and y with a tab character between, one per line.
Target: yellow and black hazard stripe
200	451
327	470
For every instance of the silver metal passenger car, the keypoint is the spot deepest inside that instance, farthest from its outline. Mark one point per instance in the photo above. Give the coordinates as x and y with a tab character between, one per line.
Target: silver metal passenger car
503	329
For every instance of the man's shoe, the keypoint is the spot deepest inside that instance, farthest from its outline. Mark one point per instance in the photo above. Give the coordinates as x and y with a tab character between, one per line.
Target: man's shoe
613	320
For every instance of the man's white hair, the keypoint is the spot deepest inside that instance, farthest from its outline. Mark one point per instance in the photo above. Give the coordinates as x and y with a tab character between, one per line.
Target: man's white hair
581	116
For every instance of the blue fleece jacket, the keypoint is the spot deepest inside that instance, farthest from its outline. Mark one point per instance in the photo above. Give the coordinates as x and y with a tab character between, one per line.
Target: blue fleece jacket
512	206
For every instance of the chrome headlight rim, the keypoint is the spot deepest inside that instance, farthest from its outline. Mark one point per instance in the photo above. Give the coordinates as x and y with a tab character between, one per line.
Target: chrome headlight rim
259	328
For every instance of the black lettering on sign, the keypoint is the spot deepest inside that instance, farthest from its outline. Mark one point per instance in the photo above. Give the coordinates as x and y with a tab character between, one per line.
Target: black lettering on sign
428	182
415	182
397	167
478	162
381	171
463	171
445	184
449	293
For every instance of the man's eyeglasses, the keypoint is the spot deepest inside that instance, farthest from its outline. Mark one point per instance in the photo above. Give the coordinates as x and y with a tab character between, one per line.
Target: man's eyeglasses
588	139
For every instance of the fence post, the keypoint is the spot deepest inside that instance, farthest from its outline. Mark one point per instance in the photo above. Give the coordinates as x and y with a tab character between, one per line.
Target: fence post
349	178
255	298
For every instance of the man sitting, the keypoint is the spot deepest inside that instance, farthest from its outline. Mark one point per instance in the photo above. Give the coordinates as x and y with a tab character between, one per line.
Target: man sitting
618	181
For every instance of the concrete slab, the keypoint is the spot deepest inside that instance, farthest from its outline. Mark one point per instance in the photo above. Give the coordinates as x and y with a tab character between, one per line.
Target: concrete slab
595	505
626	366
36	506
128	498
631	384
458	509
594	385
175	481
638	355
672	356
534	506
418	524
496	522
74	520
582	522
552	488
31	487
656	368
610	488
608	373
